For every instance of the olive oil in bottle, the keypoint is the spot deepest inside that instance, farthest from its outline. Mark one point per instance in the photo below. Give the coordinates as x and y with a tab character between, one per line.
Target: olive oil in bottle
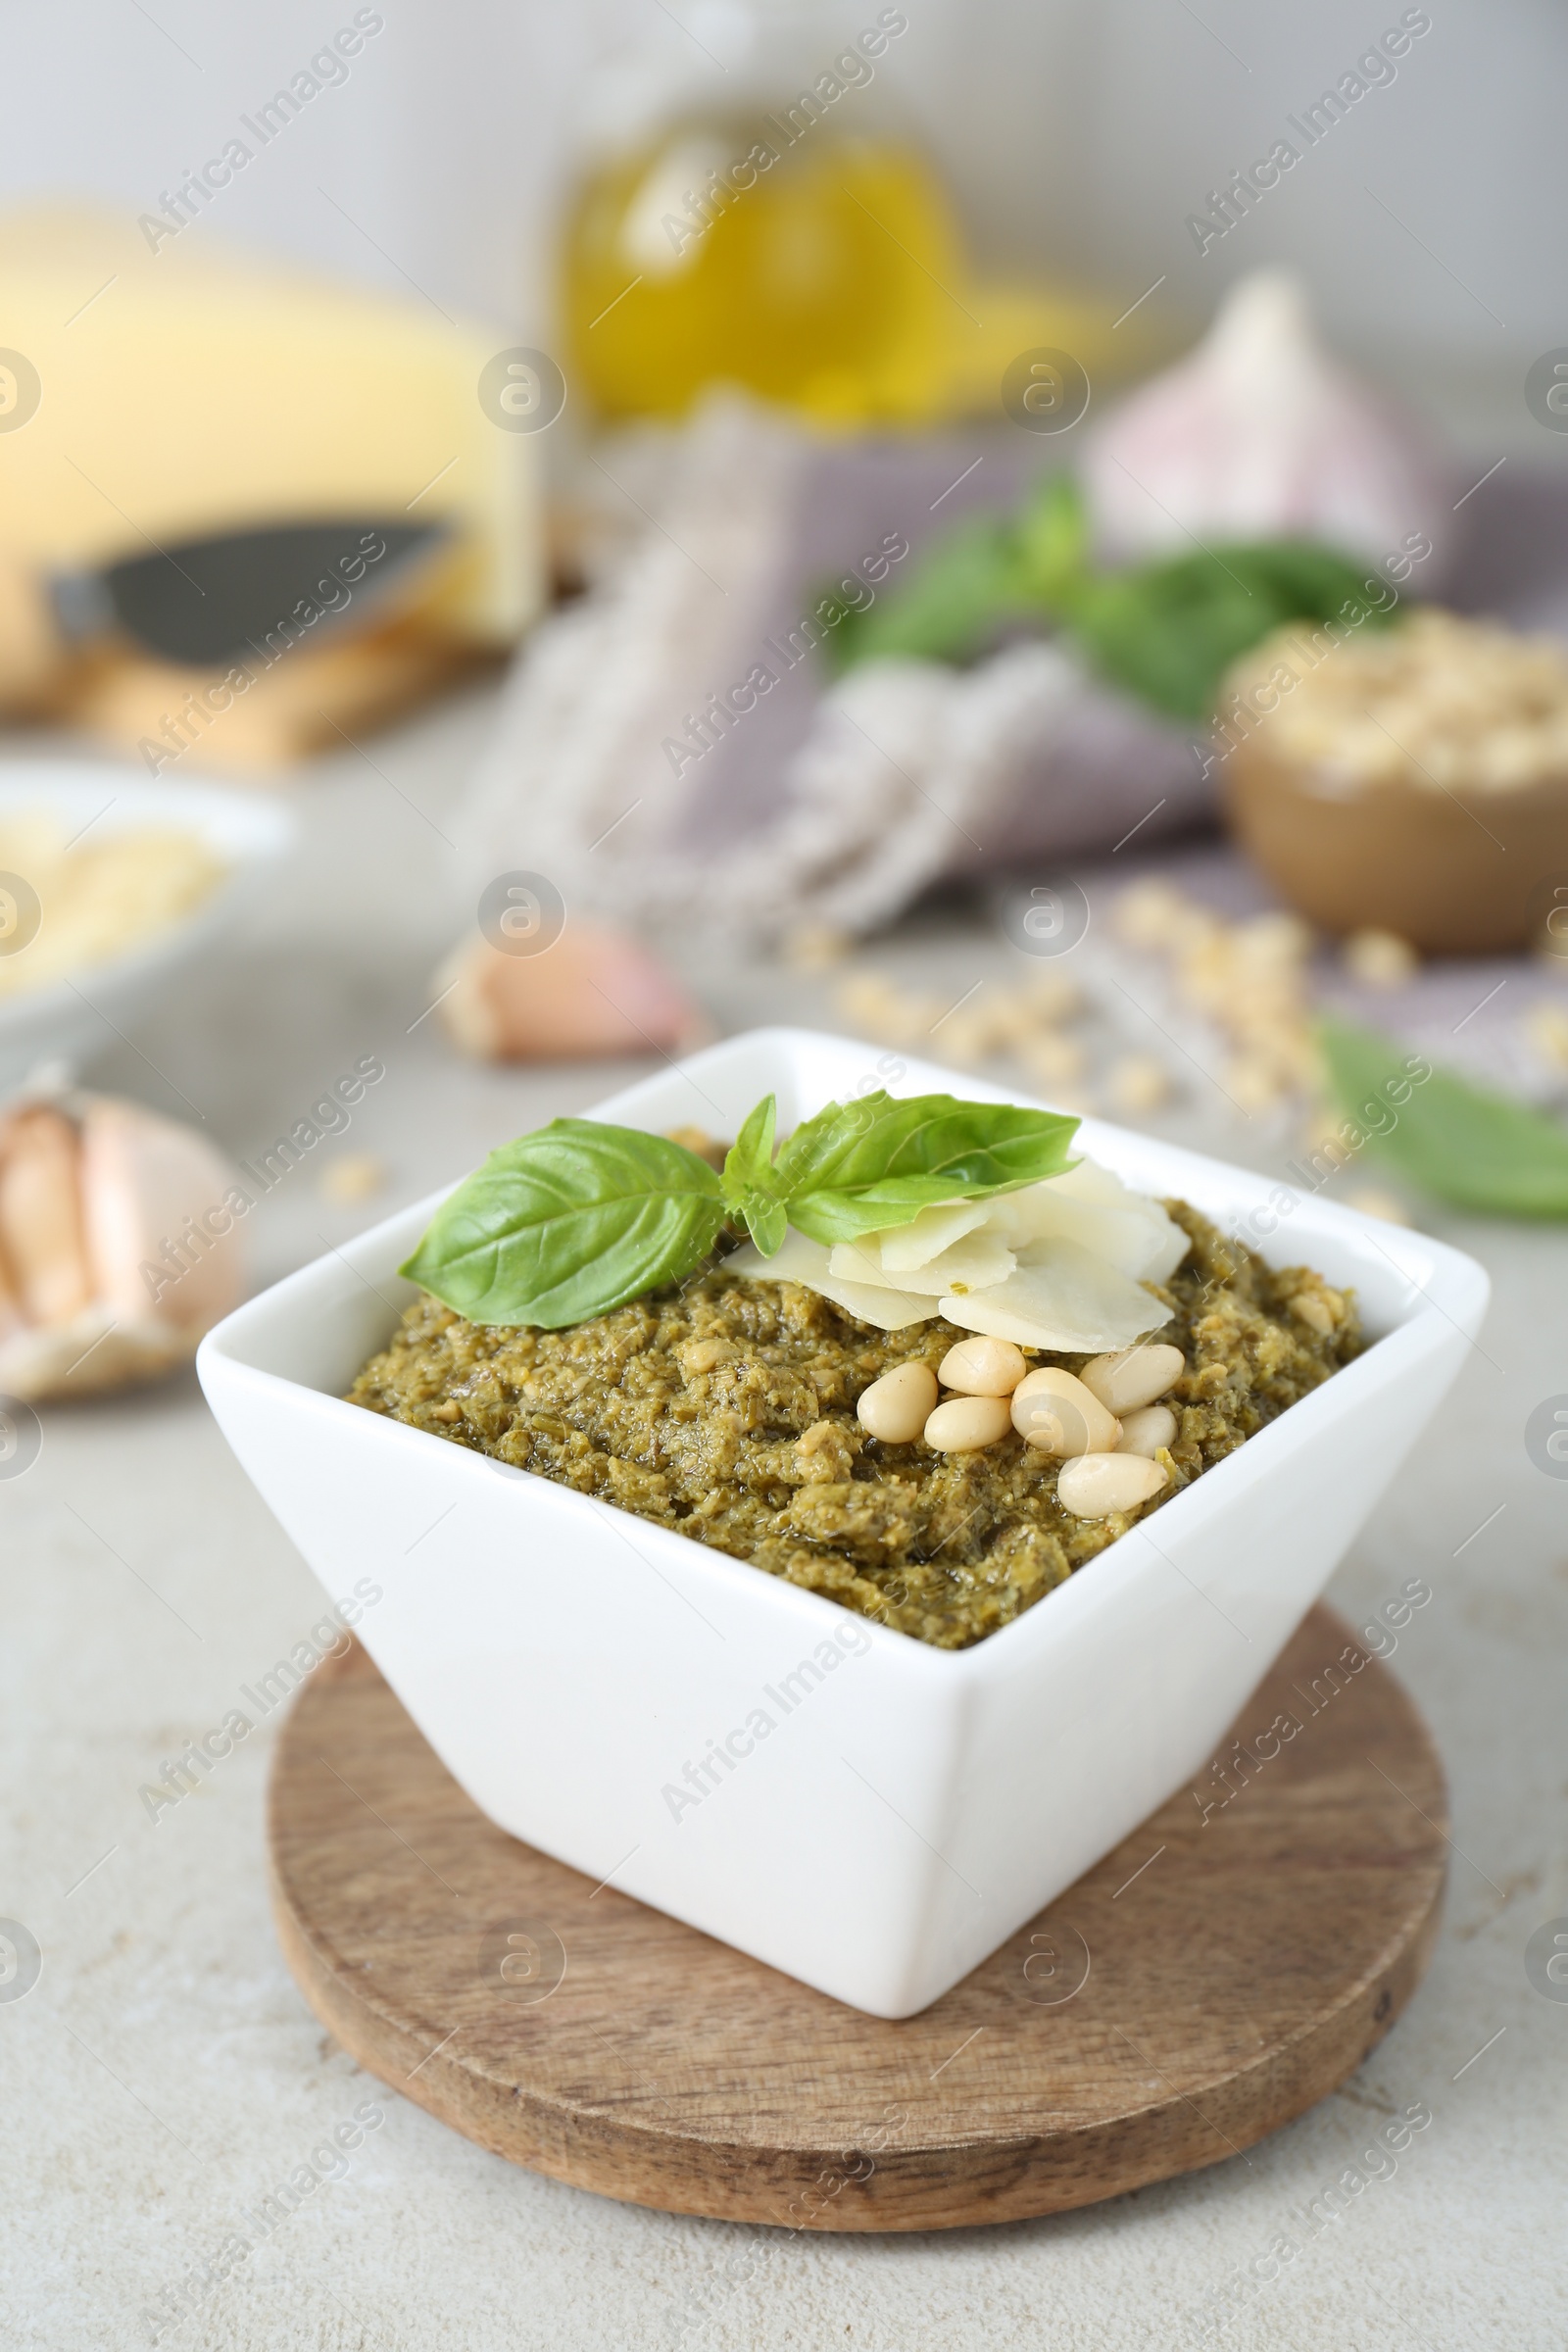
792	243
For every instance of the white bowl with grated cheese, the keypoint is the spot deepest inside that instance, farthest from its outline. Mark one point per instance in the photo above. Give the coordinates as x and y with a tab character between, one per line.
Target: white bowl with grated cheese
110	885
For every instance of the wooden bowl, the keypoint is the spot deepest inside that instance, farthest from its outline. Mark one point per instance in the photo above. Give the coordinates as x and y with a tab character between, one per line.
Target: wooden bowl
1466	873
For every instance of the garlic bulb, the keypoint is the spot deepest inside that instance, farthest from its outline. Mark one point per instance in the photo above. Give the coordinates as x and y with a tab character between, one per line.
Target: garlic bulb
117	1248
1259	434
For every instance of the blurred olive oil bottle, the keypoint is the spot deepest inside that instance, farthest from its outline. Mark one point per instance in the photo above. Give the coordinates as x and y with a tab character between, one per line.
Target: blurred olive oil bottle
782	235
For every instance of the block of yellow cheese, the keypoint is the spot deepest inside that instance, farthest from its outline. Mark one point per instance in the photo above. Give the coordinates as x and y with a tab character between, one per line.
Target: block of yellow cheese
195	388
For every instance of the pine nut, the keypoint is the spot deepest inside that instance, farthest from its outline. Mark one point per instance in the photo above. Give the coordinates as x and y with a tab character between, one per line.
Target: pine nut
1135	1377
1147	1430
896	1407
983	1367
1054	1411
1097	1485
963	1424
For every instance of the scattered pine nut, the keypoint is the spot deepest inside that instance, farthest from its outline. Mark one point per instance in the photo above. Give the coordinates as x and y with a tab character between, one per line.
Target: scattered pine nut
352	1176
1052	1411
1379	958
963	1424
1097	1485
1136	1083
896	1407
1133	1378
983	1367
1147	1430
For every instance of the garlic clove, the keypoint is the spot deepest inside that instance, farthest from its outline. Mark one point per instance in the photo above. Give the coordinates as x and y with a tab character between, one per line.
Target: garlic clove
99	1200
86	1356
1260	433
40	1214
147	1182
11	1315
595	992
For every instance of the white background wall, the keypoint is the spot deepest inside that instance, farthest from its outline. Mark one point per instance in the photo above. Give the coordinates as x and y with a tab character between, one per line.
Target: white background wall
1075	134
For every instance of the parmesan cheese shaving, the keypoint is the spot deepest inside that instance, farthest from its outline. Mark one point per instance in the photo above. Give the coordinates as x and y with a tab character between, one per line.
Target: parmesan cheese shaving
1062	1298
974	1263
1060	1265
801	1259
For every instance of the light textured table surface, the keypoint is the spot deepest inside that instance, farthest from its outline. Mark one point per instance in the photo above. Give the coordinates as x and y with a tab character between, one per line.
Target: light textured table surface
164	2074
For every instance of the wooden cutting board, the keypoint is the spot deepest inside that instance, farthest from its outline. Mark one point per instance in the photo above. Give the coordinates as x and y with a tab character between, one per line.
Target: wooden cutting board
1211	1978
317	699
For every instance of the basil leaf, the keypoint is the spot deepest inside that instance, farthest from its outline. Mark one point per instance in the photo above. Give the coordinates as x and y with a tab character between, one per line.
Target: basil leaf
860	1166
1478	1149
579	1218
987	571
749	1179
767	1221
967	587
567	1223
748	1163
1169	631
1052	535
1166	630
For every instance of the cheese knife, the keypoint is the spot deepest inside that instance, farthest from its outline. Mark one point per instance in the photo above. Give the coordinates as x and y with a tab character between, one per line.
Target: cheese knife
208	603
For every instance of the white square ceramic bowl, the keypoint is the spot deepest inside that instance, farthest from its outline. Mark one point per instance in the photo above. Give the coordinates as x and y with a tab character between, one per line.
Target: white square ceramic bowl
907	1809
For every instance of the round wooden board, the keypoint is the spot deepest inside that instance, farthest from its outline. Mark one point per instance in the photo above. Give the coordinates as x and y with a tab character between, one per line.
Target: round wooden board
1209	1980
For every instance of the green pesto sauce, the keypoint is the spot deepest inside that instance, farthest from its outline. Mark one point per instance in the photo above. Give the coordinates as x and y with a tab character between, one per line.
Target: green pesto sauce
724	1410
